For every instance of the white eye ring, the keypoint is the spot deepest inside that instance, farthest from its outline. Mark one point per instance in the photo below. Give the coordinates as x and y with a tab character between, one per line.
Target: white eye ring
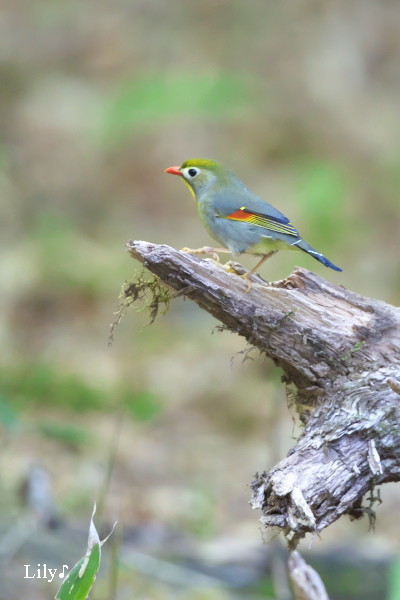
191	172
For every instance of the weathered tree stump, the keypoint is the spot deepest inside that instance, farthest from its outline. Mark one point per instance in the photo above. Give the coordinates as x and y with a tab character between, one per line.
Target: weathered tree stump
342	352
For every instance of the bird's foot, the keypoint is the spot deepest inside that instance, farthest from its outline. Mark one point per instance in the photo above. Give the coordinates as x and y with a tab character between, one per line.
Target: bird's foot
253	272
206	250
253	278
233	267
246	278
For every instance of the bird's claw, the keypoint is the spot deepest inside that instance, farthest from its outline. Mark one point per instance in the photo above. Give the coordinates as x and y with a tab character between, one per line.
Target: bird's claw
191	250
203	250
245	278
229	267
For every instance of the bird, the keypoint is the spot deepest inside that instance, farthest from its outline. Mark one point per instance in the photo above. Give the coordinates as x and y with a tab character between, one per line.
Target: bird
236	218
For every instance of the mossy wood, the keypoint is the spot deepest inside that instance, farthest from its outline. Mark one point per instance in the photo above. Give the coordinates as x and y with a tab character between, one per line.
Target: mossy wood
342	352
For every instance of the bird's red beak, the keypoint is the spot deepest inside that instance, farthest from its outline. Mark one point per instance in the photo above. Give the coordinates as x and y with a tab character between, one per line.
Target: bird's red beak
173	171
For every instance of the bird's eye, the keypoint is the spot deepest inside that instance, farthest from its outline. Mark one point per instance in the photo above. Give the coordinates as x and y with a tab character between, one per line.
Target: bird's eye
192	172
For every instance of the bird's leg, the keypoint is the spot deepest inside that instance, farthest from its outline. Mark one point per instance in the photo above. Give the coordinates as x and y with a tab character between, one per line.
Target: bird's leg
254	269
206	250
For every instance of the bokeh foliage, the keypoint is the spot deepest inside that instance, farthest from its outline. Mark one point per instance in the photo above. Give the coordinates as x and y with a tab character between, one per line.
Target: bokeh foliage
301	100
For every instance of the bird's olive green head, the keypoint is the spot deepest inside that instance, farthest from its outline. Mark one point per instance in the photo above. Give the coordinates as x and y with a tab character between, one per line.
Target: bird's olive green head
200	174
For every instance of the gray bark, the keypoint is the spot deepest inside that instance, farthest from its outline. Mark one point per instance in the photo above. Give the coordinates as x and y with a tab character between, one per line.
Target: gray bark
307	584
340	350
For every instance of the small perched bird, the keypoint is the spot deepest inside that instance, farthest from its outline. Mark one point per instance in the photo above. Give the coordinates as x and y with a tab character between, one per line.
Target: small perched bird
237	218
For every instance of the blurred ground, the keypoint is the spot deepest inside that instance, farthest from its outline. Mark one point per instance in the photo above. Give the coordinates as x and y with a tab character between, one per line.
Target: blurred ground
301	100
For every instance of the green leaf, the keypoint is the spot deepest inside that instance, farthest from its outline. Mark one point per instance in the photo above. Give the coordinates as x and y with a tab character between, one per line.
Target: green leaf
83	575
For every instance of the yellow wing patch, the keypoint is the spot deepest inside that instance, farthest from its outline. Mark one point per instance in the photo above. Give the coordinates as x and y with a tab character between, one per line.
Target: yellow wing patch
272	223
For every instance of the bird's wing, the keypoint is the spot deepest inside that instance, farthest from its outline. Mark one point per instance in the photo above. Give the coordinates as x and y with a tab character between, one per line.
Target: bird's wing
279	224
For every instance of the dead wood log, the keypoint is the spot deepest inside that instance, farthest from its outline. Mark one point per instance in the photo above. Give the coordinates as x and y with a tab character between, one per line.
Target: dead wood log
340	350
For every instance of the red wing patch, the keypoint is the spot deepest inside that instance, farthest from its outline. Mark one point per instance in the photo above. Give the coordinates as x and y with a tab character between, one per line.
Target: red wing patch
240	215
268	222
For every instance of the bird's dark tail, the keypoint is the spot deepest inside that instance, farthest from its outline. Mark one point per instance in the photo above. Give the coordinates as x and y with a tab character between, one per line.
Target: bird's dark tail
302	245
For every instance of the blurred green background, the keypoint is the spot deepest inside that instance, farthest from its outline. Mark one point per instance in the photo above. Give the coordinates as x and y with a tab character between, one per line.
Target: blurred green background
167	427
